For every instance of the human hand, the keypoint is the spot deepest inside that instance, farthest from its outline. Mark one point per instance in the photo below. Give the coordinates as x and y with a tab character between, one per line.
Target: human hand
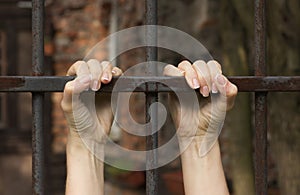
82	121
208	78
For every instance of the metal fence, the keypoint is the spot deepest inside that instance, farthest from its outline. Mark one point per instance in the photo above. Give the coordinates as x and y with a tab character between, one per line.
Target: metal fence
38	85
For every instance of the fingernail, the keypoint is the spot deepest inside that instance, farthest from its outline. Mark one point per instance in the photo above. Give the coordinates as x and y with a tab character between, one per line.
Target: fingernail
113	71
196	83
214	88
105	77
95	85
205	91
221	79
85	79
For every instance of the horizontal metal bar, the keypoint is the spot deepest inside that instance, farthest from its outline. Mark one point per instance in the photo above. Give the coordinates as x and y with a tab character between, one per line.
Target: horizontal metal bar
150	84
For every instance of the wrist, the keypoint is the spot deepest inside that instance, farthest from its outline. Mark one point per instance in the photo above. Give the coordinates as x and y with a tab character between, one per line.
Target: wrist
203	173
77	145
190	145
199	142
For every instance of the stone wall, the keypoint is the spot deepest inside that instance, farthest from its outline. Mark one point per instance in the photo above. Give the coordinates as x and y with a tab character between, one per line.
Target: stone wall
77	28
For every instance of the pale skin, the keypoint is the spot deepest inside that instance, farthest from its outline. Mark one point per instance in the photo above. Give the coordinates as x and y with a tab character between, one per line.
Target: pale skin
202	174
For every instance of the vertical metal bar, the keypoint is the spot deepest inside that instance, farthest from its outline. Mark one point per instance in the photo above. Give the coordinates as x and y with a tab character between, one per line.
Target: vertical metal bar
38	176
151	140
260	100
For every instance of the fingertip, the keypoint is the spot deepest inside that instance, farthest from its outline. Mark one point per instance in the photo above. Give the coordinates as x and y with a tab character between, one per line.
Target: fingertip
116	71
214	88
95	85
106	77
205	91
195	83
220	83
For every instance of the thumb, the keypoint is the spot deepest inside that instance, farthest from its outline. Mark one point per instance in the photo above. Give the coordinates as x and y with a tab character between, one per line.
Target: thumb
228	92
72	91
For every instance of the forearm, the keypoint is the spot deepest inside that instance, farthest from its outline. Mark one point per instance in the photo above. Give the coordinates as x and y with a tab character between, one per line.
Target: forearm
84	170
203	175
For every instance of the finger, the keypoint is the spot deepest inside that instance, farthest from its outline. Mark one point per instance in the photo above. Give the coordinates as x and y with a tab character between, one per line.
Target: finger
66	102
228	91
231	93
107	72
116	71
72	90
96	72
215	69
171	70
79	68
190	74
203	74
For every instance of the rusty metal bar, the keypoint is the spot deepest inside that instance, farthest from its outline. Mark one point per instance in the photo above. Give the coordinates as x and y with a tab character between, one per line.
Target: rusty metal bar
151	84
151	97
261	114
38	172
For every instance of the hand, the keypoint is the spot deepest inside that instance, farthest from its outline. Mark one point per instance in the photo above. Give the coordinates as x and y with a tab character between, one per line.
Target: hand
81	120
208	78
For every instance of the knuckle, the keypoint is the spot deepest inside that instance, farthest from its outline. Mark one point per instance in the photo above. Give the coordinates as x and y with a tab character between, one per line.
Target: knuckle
214	63
93	61
168	68
199	63
184	64
171	70
79	64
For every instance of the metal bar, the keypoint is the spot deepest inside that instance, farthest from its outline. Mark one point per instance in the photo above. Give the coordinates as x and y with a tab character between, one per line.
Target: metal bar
154	84
261	113
151	140
38	37
38	172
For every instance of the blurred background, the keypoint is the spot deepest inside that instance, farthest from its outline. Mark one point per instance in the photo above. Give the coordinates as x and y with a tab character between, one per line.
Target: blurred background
225	27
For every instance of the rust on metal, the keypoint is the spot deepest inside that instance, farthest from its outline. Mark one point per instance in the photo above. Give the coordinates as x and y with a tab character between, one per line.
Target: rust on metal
154	84
38	149
261	113
7	83
151	97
